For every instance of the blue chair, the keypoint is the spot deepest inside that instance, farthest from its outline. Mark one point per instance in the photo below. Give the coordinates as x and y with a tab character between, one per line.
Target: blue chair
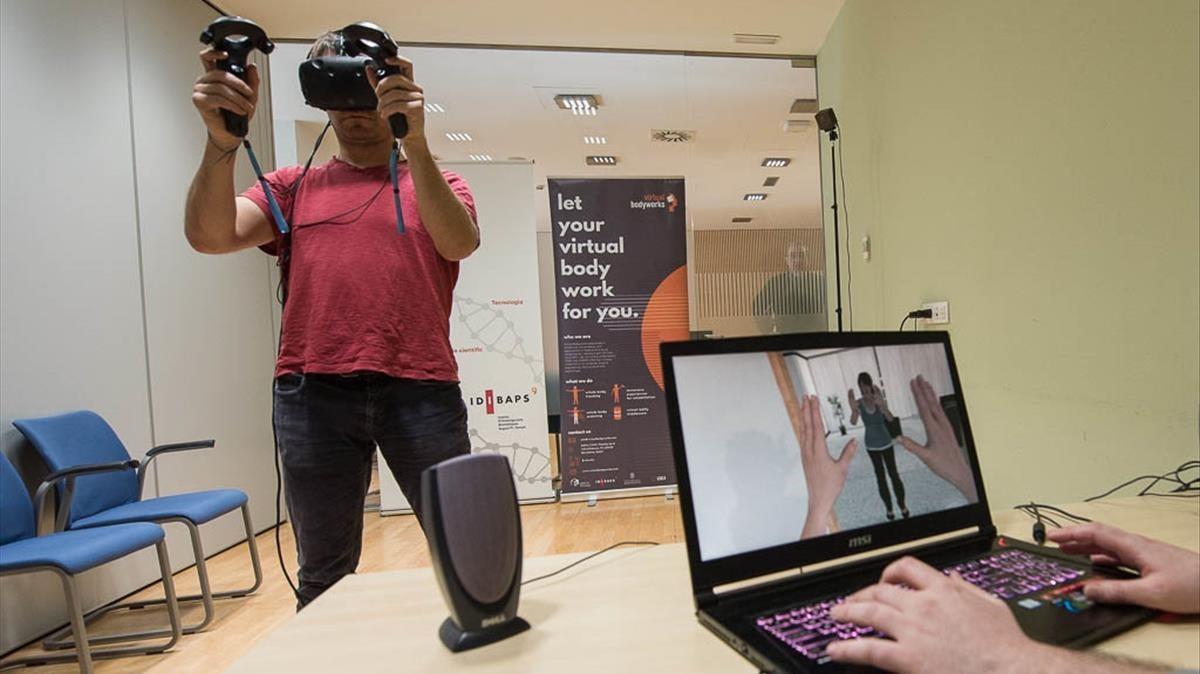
84	437
69	553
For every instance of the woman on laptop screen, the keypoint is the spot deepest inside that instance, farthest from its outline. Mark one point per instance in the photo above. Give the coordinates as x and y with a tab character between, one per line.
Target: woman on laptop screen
877	418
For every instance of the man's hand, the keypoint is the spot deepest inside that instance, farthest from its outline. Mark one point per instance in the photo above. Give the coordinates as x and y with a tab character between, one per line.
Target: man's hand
938	623
399	94
940	452
824	476
218	90
1170	575
941	624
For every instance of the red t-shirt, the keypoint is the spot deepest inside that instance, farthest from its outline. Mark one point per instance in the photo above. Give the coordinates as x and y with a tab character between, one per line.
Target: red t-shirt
361	296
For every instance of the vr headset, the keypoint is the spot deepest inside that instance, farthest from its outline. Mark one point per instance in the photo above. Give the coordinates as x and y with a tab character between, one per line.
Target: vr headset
337	83
340	82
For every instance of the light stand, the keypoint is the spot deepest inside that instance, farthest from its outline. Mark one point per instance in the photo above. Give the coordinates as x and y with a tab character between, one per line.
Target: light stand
827	122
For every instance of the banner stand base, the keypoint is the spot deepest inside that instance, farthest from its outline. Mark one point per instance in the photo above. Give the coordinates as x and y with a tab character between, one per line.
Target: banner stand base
591	497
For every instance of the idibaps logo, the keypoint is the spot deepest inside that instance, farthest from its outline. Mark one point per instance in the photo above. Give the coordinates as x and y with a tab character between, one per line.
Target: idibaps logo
490	400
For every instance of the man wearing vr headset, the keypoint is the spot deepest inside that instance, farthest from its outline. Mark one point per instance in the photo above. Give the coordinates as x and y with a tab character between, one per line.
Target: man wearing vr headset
364	354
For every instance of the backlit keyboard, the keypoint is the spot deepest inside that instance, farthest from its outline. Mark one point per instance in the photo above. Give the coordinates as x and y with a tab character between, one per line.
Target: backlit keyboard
808	630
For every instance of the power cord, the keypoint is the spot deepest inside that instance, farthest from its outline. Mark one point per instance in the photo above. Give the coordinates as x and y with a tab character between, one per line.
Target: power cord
915	314
581	561
1183	489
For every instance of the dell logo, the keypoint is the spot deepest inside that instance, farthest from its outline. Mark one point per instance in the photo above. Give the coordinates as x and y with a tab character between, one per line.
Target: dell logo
860	541
494	620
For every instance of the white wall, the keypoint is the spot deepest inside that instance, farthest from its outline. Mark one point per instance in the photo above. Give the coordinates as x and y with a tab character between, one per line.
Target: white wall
743	457
102	304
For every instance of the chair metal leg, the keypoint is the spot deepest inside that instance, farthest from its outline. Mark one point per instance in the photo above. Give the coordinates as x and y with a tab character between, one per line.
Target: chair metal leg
255	563
84	654
62	639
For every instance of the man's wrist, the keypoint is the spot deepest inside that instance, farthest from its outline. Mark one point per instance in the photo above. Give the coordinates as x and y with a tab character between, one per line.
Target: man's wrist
416	147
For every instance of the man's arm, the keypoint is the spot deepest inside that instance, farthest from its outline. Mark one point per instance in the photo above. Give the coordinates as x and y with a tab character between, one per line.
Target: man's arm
215	219
454	232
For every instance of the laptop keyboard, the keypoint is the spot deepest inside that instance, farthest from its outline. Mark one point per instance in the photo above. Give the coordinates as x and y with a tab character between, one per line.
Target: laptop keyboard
808	629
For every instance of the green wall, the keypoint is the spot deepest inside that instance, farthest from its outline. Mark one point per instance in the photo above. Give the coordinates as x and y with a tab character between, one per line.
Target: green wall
1036	164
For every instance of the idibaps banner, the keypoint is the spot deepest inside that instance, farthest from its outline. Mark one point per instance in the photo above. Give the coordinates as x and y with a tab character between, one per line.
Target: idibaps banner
620	255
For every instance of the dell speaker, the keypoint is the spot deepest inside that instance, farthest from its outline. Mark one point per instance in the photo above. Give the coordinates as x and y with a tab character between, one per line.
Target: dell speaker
474	532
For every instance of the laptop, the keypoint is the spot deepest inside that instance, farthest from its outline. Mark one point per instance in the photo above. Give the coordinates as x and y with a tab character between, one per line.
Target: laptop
769	553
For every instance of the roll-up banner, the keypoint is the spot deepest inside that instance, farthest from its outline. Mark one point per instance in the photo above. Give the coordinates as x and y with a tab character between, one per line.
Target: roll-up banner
620	255
496	334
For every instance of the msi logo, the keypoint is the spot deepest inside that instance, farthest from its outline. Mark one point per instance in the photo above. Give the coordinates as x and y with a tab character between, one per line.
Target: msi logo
860	541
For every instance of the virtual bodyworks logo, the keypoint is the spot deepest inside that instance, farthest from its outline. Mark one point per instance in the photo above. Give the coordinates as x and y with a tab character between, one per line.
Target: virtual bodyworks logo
668	201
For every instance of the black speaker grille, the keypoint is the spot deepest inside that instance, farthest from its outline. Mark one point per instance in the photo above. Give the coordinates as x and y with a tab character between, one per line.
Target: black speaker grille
481	523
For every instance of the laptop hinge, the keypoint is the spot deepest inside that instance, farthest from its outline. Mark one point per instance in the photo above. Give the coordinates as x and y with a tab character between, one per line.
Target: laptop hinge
705	599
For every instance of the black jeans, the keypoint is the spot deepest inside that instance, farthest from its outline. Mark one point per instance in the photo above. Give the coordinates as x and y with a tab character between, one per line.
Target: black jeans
327	428
878	459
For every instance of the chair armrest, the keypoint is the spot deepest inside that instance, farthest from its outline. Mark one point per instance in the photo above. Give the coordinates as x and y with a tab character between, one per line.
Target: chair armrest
69	474
153	453
179	447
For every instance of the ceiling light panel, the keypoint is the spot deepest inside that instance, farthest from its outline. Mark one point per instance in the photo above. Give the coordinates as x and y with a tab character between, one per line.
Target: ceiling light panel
434	107
481	157
776	162
577	101
755	38
755	197
595	140
459	136
601	160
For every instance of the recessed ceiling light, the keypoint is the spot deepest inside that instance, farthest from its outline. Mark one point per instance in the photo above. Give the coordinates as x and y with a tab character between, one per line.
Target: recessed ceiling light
595	140
803	106
771	181
755	38
797	125
577	102
776	162
458	136
590	112
601	160
434	107
481	157
755	197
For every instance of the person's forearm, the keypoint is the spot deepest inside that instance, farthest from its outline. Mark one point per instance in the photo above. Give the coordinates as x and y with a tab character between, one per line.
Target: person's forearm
1042	659
210	217
447	220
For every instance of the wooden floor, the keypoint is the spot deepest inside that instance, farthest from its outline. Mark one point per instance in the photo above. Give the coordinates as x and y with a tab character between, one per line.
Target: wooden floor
388	543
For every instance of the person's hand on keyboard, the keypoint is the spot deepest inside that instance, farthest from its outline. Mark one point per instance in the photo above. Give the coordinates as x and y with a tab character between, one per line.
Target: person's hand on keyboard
940	452
1170	578
824	475
941	624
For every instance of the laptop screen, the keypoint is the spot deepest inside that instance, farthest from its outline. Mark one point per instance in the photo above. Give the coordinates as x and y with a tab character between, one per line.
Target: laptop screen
784	446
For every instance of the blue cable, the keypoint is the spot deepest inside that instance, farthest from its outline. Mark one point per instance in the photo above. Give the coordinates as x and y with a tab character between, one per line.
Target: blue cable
275	212
393	161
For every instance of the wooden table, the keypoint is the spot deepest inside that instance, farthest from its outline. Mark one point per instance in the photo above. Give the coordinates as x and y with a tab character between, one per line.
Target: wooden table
629	610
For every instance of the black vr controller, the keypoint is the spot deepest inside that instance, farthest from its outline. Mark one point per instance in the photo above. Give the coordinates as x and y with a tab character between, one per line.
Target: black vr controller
237	37
369	40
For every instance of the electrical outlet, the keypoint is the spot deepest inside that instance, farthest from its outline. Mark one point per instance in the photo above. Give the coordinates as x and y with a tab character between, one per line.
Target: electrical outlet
941	312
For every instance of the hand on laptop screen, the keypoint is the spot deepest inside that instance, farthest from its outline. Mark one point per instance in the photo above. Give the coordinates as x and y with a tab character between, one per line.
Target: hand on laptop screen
940	451
824	475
